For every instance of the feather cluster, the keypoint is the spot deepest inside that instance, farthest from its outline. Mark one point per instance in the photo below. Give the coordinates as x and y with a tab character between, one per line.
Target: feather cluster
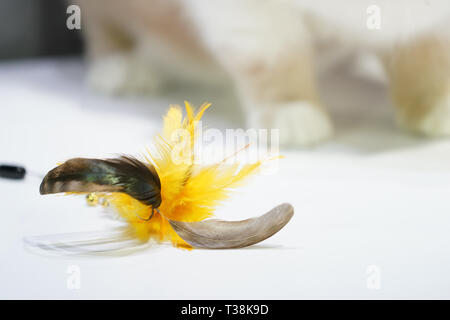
189	191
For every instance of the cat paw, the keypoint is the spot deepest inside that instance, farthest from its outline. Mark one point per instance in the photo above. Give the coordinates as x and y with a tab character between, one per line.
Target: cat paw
300	124
435	123
121	74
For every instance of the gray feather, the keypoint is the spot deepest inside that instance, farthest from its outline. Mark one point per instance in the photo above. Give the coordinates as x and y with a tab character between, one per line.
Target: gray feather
219	234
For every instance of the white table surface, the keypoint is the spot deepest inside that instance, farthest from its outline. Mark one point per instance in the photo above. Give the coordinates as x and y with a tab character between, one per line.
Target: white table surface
372	196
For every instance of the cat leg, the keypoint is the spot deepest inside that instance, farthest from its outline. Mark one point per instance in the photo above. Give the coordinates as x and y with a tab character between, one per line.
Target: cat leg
115	65
267	51
123	73
281	95
419	73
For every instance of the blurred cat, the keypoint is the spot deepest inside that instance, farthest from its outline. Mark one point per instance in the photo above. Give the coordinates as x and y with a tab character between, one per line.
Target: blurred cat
270	49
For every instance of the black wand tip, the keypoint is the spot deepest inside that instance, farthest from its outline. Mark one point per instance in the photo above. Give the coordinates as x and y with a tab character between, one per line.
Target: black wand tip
12	172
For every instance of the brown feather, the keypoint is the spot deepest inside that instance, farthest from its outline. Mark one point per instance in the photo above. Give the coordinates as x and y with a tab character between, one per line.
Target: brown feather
124	174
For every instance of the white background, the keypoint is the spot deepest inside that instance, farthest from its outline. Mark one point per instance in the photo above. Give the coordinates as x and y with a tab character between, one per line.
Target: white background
373	195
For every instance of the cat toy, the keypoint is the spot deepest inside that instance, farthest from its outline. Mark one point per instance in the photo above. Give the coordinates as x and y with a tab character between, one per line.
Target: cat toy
169	197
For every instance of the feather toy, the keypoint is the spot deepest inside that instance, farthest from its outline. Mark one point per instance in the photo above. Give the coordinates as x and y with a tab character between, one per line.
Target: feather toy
170	196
